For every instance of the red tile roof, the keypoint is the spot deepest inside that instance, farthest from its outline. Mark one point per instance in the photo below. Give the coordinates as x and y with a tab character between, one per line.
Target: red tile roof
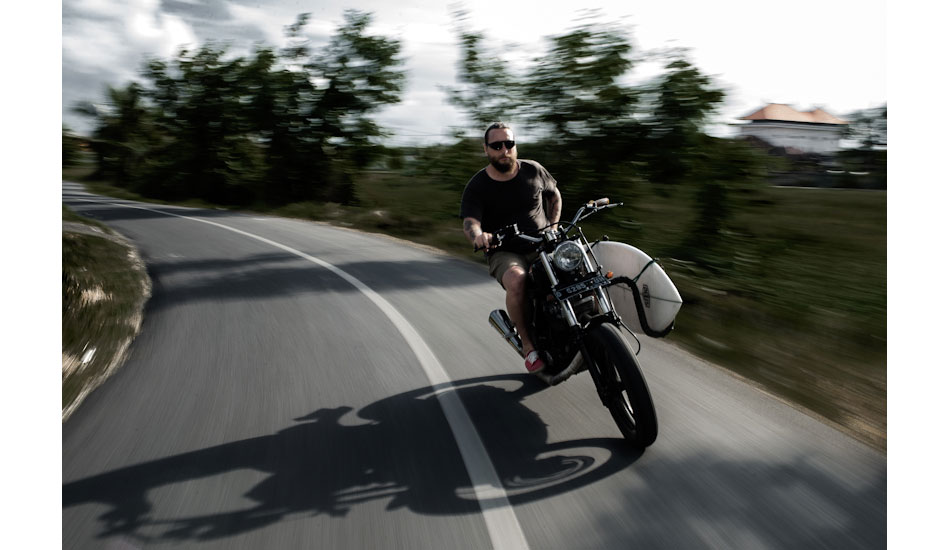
782	112
820	115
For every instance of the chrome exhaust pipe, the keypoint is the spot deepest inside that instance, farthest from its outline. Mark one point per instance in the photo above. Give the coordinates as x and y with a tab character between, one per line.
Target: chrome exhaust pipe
502	323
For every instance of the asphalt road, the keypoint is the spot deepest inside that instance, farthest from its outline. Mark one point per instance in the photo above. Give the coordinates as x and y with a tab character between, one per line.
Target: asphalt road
297	385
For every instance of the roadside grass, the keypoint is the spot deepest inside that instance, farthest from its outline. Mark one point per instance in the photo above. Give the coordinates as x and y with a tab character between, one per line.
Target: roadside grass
104	290
798	305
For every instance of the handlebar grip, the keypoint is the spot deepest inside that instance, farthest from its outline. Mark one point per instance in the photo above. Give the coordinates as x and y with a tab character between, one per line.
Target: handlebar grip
495	241
599	202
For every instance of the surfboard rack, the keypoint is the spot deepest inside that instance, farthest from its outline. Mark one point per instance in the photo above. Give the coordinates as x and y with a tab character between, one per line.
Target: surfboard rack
643	295
641	315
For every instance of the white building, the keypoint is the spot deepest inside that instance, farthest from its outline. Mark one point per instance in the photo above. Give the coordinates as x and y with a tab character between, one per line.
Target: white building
813	131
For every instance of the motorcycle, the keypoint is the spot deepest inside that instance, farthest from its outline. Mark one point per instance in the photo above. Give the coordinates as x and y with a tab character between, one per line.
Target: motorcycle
575	321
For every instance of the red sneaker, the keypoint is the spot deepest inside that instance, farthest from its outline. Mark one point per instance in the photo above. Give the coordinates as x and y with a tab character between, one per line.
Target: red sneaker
533	362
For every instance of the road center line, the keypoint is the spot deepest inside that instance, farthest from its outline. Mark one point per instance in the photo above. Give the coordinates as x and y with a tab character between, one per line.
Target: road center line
500	518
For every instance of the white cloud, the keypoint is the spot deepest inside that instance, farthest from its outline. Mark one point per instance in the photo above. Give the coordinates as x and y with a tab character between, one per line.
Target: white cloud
100	8
89	45
107	33
164	33
271	23
107	40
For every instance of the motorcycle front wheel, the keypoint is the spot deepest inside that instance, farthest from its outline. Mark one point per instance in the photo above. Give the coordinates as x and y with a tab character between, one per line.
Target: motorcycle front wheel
628	397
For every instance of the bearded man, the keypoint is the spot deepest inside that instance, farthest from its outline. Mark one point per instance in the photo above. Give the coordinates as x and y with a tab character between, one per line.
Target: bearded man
508	191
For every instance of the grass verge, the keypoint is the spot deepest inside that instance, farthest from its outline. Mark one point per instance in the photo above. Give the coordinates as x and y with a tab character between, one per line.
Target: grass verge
105	287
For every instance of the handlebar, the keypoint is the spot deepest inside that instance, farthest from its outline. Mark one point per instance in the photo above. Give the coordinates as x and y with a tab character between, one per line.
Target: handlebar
504	233
588	209
592	207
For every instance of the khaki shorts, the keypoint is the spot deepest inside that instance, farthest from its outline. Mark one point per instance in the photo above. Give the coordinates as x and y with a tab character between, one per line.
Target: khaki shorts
501	261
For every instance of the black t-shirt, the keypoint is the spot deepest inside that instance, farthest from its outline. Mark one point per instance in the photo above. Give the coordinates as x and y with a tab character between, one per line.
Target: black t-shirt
497	204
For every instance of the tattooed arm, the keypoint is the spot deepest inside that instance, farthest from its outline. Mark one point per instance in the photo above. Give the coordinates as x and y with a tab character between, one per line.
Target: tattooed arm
473	231
554	207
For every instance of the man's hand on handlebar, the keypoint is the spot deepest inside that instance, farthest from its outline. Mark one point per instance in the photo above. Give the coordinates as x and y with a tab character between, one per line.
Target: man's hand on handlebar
483	241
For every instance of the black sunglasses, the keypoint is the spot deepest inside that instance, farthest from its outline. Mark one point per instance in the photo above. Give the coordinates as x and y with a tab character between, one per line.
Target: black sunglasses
496	145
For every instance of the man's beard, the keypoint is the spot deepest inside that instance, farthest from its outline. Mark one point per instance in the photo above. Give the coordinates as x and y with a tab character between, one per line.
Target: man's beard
505	165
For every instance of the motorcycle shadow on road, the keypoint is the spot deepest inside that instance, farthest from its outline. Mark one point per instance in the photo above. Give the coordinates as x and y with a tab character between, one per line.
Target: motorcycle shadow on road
399	450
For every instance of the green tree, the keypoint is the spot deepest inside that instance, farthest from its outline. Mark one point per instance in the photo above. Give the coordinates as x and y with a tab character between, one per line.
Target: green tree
280	97
71	149
866	166
577	96
868	127
360	74
123	135
489	92
684	100
275	127
205	151
575	89
572	102
722	176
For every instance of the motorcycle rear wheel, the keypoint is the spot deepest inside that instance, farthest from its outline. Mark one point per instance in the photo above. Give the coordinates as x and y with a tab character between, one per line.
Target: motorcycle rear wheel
628	397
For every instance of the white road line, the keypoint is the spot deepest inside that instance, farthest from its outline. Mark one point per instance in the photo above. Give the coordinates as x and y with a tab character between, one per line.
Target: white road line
500	518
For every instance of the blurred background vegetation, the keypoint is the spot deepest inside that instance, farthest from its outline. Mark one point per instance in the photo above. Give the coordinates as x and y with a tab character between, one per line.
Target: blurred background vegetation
785	285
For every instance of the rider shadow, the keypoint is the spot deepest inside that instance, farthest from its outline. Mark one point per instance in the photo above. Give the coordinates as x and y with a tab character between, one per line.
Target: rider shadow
399	449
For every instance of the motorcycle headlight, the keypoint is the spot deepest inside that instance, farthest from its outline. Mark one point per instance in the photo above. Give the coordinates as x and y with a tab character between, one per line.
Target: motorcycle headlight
568	256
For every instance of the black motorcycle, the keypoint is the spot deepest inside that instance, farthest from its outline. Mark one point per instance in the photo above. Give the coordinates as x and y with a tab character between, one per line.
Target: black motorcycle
574	323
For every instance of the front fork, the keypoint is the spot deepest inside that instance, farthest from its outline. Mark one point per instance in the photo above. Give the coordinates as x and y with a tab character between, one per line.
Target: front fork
596	374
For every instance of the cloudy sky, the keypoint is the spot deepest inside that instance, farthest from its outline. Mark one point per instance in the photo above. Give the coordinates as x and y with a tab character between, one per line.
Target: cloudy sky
808	53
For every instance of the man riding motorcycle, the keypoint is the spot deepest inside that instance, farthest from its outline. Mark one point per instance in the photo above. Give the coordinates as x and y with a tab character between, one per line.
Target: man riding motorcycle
505	192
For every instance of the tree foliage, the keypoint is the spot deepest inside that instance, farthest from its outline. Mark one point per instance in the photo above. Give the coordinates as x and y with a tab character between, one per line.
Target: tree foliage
866	165
123	133
575	91
277	126
684	100
489	92
71	148
868	127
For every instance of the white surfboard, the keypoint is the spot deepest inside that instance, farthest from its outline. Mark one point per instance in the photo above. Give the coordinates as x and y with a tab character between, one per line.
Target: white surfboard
653	308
